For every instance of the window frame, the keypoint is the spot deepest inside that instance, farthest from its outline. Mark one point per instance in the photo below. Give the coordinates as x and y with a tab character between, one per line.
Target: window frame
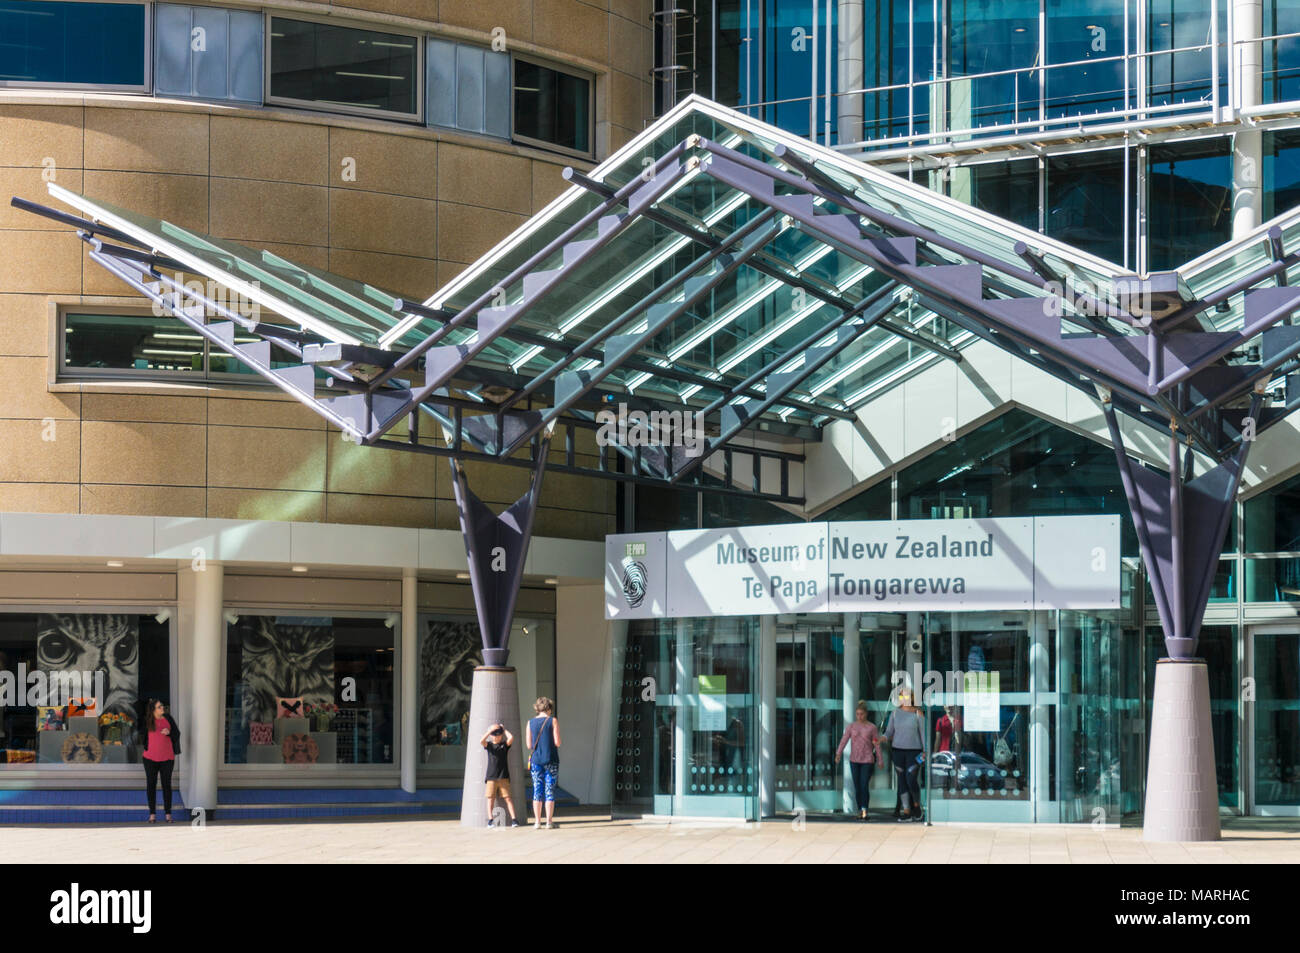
146	85
269	99
65	374
576	73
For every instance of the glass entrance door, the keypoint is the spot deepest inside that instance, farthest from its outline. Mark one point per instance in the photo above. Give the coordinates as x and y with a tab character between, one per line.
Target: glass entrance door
1276	731
809	712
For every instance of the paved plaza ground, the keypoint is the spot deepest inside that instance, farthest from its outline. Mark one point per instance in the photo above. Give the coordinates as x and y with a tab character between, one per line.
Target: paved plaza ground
594	838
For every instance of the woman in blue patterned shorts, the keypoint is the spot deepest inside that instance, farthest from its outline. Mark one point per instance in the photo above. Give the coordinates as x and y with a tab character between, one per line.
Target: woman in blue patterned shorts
544	742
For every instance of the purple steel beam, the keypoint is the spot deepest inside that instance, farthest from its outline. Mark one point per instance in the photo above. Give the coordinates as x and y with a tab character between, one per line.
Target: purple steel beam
496	547
1180	524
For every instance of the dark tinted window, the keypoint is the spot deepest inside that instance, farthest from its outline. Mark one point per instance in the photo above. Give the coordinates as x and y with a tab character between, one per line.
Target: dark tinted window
340	67
553	107
82	43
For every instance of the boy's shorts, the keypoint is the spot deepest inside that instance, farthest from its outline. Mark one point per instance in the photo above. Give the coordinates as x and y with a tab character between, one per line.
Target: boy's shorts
498	787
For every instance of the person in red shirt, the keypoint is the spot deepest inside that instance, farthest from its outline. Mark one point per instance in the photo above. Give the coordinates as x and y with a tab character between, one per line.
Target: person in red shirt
162	743
947	730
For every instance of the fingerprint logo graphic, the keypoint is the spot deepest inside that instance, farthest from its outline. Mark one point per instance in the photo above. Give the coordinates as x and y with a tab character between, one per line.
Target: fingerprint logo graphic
634	582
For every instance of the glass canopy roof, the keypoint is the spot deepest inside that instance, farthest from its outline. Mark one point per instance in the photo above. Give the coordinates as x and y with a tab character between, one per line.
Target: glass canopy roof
696	269
750	318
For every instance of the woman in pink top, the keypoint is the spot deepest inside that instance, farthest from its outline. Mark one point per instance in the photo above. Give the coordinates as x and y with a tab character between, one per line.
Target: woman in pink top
863	755
162	743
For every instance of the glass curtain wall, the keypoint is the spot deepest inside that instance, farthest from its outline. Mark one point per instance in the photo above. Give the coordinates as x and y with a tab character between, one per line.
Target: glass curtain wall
955	65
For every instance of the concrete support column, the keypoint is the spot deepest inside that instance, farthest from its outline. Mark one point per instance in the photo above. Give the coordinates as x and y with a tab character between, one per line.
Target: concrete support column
409	716
850	683
767	716
1248	144
851	72
493	698
203	756
1182	790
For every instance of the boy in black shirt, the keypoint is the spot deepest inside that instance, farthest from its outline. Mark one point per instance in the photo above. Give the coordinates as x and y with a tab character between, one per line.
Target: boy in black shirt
497	741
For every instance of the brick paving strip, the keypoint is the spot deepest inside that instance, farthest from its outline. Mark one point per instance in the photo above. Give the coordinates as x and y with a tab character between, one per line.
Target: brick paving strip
594	838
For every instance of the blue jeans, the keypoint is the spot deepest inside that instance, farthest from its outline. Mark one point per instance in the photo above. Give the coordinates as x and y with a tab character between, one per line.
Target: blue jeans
544	778
862	783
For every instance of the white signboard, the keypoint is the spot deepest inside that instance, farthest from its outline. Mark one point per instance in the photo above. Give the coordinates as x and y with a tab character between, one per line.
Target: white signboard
1058	562
749	570
931	565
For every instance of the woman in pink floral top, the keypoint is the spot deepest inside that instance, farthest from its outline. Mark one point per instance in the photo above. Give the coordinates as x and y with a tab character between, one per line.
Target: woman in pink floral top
864	754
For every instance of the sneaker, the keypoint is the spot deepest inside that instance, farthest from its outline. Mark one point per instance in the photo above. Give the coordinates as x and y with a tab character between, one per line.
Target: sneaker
918	818
551	825
514	823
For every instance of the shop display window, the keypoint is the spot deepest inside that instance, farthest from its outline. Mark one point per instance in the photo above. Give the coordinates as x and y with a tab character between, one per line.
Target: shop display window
73	684
309	690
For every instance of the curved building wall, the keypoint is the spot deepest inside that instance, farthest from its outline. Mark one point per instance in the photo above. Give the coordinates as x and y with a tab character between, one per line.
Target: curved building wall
402	206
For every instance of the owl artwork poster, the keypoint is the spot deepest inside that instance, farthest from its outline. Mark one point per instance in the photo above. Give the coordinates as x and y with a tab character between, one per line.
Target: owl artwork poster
92	643
284	657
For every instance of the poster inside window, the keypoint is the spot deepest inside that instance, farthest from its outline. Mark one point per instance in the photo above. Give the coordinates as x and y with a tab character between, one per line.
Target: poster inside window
450	650
73	684
309	690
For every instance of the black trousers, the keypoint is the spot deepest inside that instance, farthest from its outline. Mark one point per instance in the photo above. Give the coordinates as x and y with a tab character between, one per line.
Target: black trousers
153	770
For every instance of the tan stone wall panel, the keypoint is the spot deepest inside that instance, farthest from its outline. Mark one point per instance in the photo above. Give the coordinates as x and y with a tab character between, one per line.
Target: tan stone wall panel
631	42
143	453
233	504
548	182
484	177
24	325
23	391
40	262
28	458
31	134
268	149
30	184
572	26
415	9
39	497
396	274
267	411
513	16
266	458
568	524
626	100
144	409
380	510
638	11
373	470
250	211
389	224
144	140
313	256
180	199
466	233
398	164
144	500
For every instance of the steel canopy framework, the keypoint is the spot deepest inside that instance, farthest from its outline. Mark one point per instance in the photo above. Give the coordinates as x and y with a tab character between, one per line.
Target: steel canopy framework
718	267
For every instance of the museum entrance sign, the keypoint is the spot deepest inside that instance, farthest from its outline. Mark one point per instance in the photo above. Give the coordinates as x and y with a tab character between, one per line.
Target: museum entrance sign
1059	562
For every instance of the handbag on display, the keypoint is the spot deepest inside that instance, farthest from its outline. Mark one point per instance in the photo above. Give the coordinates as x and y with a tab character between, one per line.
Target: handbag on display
1002	751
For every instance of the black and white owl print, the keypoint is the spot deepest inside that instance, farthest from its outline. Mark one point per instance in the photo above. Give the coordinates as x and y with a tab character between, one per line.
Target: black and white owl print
448	656
90	643
285	660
